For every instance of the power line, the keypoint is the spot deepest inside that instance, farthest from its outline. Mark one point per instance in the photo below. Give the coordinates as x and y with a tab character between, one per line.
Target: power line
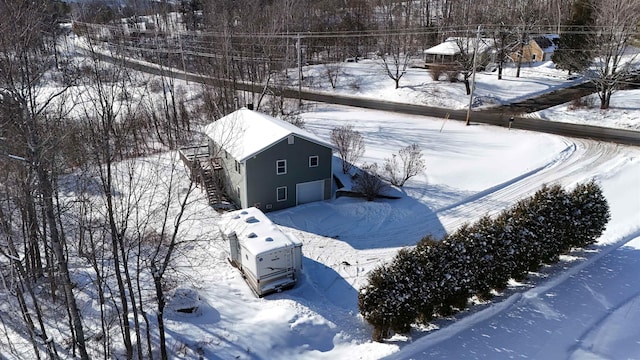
489	28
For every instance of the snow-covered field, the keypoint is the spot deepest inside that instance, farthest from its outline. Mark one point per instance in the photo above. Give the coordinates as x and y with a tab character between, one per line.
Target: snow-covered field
587	306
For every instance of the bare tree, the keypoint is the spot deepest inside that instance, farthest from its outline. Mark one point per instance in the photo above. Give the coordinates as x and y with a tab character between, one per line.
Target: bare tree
525	11
617	21
368	182
333	71
405	165
162	255
468	45
350	145
397	44
103	108
504	42
27	54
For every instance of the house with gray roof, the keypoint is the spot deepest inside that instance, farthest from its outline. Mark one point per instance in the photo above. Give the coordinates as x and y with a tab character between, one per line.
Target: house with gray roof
269	163
539	48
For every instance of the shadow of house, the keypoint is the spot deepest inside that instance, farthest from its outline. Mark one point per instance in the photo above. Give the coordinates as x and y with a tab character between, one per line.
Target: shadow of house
365	225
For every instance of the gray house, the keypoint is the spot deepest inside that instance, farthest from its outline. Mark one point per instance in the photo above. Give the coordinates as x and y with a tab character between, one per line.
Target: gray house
269	163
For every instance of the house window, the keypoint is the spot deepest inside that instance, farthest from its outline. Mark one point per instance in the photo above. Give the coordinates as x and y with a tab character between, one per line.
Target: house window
281	167
290	139
313	161
237	167
533	57
281	193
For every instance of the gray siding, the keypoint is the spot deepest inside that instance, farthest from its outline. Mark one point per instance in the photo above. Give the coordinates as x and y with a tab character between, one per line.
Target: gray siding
262	179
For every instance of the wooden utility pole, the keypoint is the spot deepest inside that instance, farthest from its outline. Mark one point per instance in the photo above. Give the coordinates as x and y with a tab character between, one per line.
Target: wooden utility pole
473	74
299	48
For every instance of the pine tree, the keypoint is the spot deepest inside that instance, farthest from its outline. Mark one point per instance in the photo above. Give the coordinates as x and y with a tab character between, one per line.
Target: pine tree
590	214
572	53
427	294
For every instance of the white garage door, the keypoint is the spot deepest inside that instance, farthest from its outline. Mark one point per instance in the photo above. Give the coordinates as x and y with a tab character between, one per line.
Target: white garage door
309	192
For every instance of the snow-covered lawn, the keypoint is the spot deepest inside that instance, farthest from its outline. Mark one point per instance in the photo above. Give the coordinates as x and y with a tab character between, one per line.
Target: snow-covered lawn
367	78
587	306
560	313
471	171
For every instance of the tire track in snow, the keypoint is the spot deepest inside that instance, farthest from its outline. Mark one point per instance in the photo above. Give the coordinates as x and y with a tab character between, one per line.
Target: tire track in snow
566	168
579	161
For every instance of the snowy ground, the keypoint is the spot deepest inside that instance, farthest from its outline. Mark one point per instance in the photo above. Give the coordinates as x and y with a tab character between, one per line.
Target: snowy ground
585	307
366	78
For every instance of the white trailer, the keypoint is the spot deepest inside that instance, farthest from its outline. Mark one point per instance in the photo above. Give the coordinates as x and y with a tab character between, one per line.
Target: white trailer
269	259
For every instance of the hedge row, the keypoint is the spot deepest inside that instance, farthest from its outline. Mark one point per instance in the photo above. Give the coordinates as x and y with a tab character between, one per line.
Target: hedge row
437	278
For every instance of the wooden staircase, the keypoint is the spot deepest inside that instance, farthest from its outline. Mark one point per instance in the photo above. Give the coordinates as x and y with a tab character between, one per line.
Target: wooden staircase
209	183
203	169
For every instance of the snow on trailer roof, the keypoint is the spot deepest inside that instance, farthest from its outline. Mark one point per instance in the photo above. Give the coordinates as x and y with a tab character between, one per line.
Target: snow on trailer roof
245	133
256	232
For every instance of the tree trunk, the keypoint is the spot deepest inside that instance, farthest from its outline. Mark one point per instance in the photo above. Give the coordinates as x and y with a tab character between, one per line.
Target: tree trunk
157	281
56	246
467	86
605	99
46	190
126	327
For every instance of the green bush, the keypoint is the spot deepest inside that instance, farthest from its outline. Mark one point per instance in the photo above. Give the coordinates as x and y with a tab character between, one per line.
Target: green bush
437	278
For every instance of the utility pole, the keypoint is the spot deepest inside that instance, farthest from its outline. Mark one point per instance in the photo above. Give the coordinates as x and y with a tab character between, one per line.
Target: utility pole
473	74
299	46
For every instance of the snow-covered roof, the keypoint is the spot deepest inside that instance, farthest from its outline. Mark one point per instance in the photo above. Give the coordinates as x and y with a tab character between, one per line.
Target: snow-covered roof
547	42
256	232
245	133
450	46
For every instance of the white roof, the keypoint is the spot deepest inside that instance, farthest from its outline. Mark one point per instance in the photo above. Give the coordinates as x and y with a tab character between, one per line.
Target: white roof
450	46
256	232
245	133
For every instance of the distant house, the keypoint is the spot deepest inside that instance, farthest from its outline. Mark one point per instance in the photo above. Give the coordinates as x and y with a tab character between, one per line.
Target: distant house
539	48
451	48
268	163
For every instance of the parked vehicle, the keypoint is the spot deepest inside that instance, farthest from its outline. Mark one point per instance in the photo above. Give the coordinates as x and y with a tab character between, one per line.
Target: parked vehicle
269	259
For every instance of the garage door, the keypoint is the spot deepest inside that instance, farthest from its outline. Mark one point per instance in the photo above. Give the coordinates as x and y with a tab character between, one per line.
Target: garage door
309	192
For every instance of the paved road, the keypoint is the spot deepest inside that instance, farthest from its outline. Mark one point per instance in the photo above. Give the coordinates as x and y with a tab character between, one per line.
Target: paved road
547	100
501	118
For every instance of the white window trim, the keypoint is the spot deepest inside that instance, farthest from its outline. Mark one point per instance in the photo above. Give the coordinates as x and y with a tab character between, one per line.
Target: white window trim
285	193
317	160
278	167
